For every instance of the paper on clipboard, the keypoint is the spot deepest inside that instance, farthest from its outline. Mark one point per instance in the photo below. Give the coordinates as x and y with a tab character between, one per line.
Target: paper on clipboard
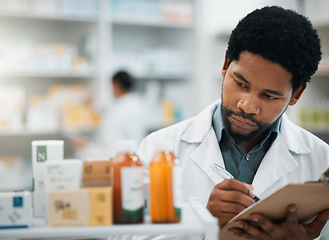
310	199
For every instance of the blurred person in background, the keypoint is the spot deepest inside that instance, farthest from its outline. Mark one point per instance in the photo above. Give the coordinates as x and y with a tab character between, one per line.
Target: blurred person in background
125	118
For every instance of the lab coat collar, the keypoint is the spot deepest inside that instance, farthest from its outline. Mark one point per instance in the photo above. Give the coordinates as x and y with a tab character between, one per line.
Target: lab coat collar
208	152
292	136
201	125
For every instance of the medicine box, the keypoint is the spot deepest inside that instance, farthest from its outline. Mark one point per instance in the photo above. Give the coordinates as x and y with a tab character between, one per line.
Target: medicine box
96	173
80	207
42	152
64	174
15	209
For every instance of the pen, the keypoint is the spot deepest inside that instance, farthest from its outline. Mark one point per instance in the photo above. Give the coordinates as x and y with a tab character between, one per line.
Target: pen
226	175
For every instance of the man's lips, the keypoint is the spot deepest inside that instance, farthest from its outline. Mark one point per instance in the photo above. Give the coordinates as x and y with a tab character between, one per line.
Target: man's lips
243	123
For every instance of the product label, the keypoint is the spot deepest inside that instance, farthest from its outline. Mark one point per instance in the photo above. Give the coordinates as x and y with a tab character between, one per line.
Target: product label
70	214
41	153
132	192
17	202
177	189
67	212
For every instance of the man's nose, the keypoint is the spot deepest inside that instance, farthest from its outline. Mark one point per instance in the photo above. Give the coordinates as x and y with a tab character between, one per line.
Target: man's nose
248	104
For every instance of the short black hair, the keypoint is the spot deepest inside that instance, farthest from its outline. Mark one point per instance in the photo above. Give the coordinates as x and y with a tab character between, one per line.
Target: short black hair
282	36
124	79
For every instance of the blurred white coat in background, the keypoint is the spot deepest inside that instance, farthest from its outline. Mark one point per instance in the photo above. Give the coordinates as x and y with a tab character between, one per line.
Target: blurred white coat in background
125	119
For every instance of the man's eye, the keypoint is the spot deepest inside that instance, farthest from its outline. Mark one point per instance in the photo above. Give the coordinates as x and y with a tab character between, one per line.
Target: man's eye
269	96
240	84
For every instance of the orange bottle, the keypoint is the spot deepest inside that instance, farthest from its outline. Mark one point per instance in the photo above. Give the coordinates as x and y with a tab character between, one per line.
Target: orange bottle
128	187
165	185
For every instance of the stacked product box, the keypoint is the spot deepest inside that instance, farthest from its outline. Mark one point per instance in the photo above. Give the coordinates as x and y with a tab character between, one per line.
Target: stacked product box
43	152
15	209
67	192
79	193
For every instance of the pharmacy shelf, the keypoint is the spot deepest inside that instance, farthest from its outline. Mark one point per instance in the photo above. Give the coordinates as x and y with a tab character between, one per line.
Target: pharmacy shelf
21	133
52	17
321	23
150	22
48	75
223	35
323	69
82	75
196	220
161	77
93	37
318	130
44	132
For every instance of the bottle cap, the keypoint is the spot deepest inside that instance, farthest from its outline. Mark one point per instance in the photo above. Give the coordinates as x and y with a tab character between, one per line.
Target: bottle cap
126	146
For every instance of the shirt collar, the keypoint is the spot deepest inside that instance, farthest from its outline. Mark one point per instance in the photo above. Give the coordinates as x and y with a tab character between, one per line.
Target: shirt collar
217	122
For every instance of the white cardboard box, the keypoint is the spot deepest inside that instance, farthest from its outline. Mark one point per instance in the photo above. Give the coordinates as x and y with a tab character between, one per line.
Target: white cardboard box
42	152
15	209
64	174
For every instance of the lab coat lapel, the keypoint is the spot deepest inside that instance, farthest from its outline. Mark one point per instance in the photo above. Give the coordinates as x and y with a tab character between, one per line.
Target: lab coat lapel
276	164
207	151
278	161
206	154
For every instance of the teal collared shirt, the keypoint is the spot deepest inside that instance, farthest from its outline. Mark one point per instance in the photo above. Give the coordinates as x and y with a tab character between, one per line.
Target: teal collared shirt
238	161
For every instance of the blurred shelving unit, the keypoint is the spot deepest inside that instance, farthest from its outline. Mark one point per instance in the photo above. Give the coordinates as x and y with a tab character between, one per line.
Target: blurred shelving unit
48	54
312	111
157	42
75	75
52	52
144	21
323	68
41	16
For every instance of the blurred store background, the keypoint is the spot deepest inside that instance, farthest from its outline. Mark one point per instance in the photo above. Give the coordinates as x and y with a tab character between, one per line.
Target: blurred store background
57	58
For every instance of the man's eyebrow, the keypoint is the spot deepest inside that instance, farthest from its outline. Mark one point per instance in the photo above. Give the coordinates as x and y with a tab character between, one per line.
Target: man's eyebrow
240	77
277	93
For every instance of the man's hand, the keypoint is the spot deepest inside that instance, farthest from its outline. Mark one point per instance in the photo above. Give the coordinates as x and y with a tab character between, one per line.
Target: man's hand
264	229
229	198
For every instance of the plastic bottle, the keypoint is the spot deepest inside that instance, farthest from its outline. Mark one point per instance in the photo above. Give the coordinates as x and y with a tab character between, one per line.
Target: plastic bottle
128	187
165	185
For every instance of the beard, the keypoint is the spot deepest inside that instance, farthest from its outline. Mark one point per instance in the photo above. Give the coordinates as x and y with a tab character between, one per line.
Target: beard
262	127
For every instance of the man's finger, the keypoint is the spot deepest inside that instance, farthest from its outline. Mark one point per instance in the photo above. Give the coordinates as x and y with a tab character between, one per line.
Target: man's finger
239	232
250	229
292	220
315	227
264	223
237	197
233	184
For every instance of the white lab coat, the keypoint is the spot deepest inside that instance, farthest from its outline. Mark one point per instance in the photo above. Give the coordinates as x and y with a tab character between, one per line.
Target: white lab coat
296	156
125	119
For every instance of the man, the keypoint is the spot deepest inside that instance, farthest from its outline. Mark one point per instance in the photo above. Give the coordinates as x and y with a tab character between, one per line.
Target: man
127	115
123	119
272	54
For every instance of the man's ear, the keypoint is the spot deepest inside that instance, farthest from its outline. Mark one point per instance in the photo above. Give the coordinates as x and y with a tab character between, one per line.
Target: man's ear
224	69
297	94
